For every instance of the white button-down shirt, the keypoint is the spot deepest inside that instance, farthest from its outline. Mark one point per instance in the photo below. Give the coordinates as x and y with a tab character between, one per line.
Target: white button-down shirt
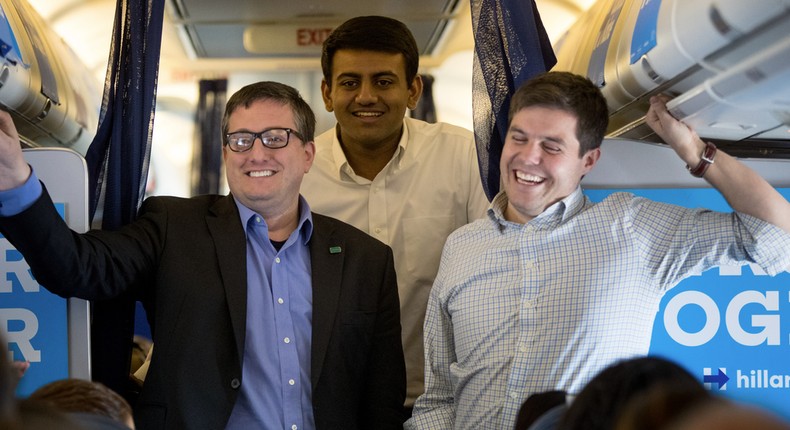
430	187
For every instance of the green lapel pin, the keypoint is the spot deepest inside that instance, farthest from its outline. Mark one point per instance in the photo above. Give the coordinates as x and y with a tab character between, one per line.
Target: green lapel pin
335	249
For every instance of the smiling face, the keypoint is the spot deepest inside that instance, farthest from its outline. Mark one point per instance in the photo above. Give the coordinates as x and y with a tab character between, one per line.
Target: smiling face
369	95
540	162
263	179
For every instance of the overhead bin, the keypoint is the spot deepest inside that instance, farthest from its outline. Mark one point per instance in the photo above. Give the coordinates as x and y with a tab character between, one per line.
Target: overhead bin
727	62
51	95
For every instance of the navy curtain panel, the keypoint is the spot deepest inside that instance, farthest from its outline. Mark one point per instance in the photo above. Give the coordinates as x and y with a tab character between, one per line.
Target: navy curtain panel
207	152
118	161
511	46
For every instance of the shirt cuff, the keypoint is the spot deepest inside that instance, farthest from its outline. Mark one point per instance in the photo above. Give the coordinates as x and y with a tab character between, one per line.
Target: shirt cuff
16	200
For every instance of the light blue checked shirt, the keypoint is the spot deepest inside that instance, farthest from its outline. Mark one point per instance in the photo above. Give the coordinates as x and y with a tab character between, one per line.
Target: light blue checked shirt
519	309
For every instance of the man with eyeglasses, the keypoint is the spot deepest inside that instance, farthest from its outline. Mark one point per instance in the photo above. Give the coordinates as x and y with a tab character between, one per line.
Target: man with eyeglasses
264	314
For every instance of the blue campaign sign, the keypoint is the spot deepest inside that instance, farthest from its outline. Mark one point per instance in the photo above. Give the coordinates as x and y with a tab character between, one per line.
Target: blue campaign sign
730	325
50	332
33	321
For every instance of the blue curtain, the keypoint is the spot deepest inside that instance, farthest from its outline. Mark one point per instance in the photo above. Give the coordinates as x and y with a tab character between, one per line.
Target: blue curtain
511	46
118	161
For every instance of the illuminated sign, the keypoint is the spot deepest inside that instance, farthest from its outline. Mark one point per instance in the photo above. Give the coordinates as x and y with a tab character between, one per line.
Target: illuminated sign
286	38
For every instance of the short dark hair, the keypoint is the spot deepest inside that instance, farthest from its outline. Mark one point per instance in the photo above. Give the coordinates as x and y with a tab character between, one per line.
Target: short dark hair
269	90
79	395
571	93
603	398
372	33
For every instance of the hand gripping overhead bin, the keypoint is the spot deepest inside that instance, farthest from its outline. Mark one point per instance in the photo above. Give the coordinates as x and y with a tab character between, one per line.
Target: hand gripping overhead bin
726	61
51	95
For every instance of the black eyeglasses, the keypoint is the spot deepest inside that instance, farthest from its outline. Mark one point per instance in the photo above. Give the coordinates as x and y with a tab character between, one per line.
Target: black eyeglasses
274	138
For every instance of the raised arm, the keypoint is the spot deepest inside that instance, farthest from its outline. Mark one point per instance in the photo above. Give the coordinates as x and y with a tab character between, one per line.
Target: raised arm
742	187
14	171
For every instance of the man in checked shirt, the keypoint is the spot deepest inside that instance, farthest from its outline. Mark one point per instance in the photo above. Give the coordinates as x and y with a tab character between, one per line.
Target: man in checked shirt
550	288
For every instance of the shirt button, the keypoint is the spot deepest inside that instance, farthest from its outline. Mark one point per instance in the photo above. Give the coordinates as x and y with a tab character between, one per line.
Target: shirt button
257	219
291	382
280	301
528	304
513	395
287	340
523	348
277	260
235	383
293	427
378	230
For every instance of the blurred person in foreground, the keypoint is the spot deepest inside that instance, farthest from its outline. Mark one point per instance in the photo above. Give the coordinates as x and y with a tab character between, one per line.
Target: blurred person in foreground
668	407
87	398
727	415
23	414
602	400
541	410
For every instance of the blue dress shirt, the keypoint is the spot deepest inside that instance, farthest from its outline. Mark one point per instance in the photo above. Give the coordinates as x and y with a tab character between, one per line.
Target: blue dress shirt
18	199
276	388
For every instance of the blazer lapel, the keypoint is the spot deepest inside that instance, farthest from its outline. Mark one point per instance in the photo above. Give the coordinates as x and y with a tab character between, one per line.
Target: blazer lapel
327	252
230	242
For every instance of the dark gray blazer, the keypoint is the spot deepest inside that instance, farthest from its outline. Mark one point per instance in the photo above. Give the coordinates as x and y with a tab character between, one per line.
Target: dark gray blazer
185	259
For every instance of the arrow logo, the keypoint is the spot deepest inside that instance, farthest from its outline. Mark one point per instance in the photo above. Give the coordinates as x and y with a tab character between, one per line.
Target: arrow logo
721	378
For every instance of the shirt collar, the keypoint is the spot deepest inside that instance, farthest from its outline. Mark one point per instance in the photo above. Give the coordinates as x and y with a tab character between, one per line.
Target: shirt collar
555	214
496	210
341	162
573	204
304	227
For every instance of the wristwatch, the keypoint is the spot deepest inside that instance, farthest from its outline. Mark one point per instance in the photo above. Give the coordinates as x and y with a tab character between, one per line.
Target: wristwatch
706	159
